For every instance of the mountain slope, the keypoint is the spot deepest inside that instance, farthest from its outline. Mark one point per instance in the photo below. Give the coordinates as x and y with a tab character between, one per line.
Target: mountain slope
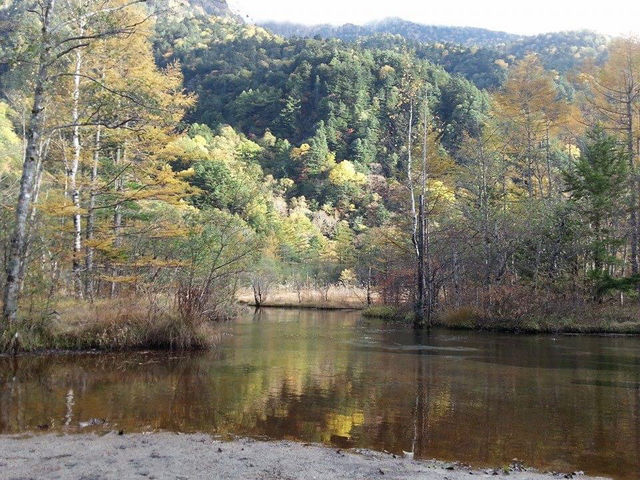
468	36
561	51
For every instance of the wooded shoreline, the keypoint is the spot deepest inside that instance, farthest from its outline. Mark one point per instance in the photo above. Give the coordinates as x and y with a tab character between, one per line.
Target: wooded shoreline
142	189
117	326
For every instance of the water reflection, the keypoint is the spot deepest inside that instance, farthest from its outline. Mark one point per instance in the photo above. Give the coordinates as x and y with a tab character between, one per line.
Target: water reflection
562	403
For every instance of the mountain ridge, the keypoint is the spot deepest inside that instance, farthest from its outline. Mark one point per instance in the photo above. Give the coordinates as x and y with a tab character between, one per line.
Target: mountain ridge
560	51
468	36
427	33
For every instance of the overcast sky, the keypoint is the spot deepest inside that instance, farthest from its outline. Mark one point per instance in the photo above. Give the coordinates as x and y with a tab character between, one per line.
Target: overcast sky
516	16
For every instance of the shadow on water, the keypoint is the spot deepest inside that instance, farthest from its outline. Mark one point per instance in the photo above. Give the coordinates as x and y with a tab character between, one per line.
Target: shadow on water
558	403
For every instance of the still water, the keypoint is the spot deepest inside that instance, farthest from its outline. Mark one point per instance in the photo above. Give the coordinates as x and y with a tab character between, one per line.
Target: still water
560	403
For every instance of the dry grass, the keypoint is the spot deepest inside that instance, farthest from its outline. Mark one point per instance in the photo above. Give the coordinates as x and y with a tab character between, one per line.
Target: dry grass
336	297
403	313
580	322
110	325
583	319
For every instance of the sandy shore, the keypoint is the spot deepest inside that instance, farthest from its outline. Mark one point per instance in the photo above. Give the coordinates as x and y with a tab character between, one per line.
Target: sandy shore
182	457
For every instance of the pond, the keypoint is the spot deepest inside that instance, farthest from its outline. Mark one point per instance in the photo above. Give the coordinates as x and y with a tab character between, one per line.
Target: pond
560	403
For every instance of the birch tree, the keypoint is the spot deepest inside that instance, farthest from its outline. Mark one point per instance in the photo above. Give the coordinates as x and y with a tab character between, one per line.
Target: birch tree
55	45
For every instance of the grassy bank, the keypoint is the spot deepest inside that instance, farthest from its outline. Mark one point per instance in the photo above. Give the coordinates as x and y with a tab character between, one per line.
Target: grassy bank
110	325
593	319
136	323
334	298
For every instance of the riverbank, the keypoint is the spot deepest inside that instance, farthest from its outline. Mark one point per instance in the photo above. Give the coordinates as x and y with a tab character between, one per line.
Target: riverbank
198	456
129	324
110	325
619	321
335	297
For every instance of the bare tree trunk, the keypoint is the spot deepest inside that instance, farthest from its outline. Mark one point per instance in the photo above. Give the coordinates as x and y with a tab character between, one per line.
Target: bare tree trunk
424	218
547	147
414	213
117	216
426	234
32	217
634	191
456	279
484	208
29	174
260	292
424	305
423	310
91	216
417	233
529	164
73	177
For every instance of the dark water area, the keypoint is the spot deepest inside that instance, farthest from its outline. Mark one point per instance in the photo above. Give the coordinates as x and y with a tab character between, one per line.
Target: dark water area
560	403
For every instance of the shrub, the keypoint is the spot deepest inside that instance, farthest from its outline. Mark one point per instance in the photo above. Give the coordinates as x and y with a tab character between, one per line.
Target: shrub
384	312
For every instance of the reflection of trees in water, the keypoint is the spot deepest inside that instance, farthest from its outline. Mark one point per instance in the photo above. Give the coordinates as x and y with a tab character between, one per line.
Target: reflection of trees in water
70	402
102	386
321	377
423	397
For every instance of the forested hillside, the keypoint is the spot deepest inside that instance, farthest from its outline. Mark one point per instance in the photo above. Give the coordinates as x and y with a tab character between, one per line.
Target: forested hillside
168	160
473	52
301	89
467	36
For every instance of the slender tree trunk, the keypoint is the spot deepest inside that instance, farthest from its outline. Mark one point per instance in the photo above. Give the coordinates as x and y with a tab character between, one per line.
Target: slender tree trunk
73	177
410	177
91	218
423	307
424	218
634	194
456	279
548	156
529	163
117	215
369	287
484	208
29	174
32	217
417	233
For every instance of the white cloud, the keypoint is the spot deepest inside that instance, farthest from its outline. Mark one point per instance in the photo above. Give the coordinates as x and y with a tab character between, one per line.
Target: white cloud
528	17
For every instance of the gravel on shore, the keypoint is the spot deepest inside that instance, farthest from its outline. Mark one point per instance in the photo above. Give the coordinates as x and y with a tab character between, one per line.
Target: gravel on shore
198	456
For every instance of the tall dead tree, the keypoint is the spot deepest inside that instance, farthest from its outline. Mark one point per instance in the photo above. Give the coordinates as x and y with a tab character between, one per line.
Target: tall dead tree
417	230
420	236
425	236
